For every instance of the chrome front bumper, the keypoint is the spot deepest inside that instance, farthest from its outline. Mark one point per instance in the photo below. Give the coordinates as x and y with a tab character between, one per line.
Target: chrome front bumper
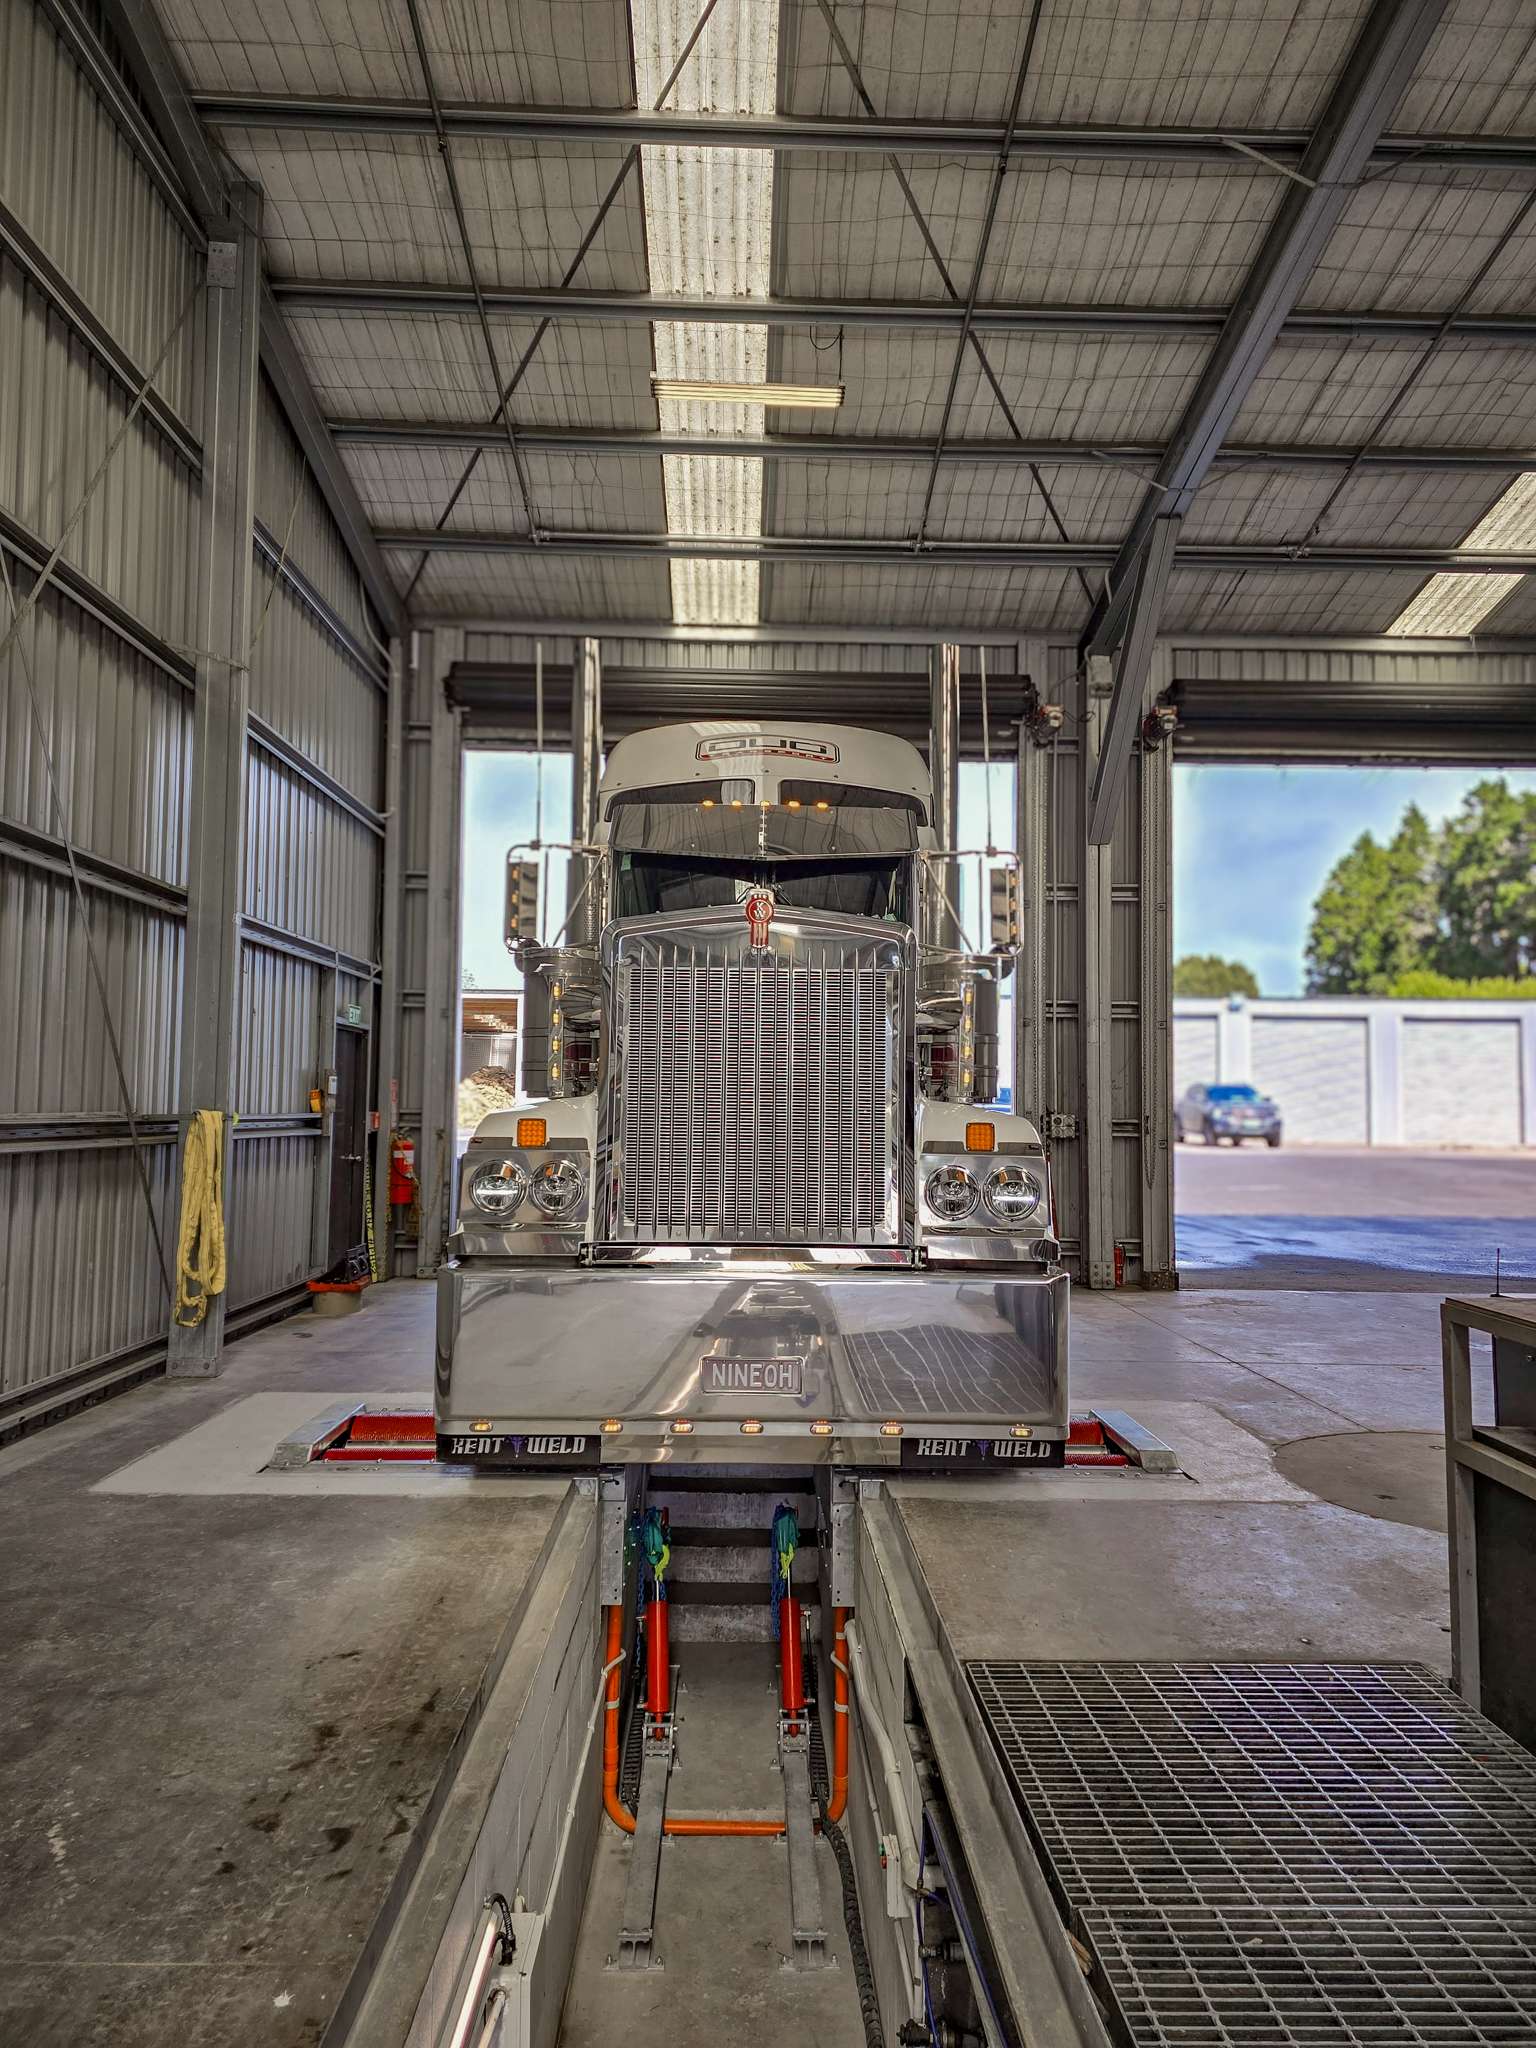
533	1361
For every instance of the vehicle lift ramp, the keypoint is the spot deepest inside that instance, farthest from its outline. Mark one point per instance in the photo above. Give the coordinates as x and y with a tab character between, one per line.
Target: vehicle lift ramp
1162	1855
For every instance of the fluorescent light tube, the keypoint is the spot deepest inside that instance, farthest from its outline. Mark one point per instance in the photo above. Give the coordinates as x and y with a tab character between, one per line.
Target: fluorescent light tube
697	391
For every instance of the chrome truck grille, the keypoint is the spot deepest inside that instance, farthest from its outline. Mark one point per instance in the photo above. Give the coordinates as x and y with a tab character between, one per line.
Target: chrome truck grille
756	1097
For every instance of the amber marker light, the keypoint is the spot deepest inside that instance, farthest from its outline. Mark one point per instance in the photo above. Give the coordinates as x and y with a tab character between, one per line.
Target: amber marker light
1022	1429
532	1131
981	1137
680	1426
611	1427
751	1429
821	1429
892	1428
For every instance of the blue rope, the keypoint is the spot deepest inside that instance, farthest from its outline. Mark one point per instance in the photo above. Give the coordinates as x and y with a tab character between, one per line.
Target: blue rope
657	1548
784	1539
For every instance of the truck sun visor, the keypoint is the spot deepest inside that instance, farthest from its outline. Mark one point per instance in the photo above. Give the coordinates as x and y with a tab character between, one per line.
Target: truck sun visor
727	829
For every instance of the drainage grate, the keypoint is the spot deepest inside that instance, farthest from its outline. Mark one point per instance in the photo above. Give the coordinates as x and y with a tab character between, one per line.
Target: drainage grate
1262	1854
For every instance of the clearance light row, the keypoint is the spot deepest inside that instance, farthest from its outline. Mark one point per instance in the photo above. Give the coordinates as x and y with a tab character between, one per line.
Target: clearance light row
737	803
681	1426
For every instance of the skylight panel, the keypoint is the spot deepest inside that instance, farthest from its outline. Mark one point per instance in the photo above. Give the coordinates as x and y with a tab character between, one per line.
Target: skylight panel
708	218
1453	605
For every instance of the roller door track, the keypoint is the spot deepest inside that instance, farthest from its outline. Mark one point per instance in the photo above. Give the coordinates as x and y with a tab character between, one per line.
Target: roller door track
1461	1082
1317	1069
1265	1854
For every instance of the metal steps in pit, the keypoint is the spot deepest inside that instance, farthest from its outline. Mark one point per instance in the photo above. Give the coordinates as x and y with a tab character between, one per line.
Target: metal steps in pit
718	1579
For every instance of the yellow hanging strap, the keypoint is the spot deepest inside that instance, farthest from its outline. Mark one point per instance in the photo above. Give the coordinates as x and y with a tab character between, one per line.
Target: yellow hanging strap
200	1247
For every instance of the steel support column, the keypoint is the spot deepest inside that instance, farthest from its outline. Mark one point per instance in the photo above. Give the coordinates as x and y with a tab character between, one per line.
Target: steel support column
1378	69
1156	1002
438	1152
1031	1002
216	807
1128	706
387	1015
1098	1219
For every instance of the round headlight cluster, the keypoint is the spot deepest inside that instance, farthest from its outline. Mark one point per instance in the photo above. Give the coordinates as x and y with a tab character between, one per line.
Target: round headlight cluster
559	1186
1013	1195
1010	1196
952	1193
499	1189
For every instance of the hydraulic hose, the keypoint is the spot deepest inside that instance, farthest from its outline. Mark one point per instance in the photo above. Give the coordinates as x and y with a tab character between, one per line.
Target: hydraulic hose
836	1806
613	1805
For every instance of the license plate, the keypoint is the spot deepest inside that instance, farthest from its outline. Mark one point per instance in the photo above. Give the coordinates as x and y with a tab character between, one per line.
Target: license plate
981	1454
749	1375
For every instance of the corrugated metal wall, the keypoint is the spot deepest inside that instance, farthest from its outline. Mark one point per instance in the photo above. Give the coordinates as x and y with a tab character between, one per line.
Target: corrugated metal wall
79	1280
101	278
313	863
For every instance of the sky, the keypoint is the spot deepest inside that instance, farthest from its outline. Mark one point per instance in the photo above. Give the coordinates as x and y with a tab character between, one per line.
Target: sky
1252	847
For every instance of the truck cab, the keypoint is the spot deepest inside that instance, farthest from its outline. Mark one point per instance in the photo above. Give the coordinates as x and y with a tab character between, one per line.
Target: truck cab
759	1187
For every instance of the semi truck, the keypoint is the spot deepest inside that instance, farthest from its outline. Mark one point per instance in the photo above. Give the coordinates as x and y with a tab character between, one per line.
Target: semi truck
757	1201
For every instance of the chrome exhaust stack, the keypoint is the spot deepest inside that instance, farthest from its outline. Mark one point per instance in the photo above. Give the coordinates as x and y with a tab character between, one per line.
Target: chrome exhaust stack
582	909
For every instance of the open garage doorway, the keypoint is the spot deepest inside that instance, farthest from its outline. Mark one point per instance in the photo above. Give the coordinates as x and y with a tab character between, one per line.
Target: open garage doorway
1354	1038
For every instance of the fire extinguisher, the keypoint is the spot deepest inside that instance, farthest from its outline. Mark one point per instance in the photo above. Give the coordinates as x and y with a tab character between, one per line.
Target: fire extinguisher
402	1169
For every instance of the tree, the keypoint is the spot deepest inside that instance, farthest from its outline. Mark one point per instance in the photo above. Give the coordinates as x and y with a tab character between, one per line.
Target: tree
1487	885
1207	974
1377	916
1424	984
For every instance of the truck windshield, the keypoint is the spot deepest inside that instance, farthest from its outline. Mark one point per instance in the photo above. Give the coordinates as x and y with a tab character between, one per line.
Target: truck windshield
652	884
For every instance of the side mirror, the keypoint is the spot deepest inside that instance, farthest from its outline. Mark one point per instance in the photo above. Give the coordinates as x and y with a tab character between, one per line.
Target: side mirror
522	917
1005	909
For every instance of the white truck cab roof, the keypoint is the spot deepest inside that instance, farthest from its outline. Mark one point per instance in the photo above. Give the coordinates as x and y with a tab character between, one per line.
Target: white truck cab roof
719	750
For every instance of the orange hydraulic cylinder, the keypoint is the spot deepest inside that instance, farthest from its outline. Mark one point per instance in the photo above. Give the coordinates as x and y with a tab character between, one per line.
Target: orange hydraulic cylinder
613	1806
658	1673
791	1671
839	1800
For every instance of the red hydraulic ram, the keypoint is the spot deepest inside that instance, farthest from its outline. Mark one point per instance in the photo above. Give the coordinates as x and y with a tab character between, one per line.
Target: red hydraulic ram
658	1660
791	1669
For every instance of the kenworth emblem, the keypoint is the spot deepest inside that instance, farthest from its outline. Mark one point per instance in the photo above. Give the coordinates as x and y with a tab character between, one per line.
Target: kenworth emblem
758	910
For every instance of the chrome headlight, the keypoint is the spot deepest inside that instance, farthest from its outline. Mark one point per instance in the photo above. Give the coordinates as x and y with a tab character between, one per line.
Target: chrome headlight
559	1187
952	1193
498	1189
1013	1195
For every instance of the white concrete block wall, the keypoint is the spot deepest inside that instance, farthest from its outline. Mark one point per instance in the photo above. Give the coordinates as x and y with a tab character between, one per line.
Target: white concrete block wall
1357	1071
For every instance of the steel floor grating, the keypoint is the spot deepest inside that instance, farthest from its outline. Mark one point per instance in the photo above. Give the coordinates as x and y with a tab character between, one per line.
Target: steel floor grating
1267	1854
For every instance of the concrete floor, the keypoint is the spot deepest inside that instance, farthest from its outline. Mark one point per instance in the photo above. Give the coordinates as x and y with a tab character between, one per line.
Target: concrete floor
224	1711
224	1714
1336	1216
1241	1557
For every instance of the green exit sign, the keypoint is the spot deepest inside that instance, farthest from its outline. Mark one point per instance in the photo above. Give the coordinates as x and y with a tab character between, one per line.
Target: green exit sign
354	1013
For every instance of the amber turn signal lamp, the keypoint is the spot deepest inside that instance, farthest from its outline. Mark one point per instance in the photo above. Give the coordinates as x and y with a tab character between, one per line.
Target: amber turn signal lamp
981	1137
532	1131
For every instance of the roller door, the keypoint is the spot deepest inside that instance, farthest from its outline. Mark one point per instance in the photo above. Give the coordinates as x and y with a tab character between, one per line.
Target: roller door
1461	1081
1317	1069
1194	1052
